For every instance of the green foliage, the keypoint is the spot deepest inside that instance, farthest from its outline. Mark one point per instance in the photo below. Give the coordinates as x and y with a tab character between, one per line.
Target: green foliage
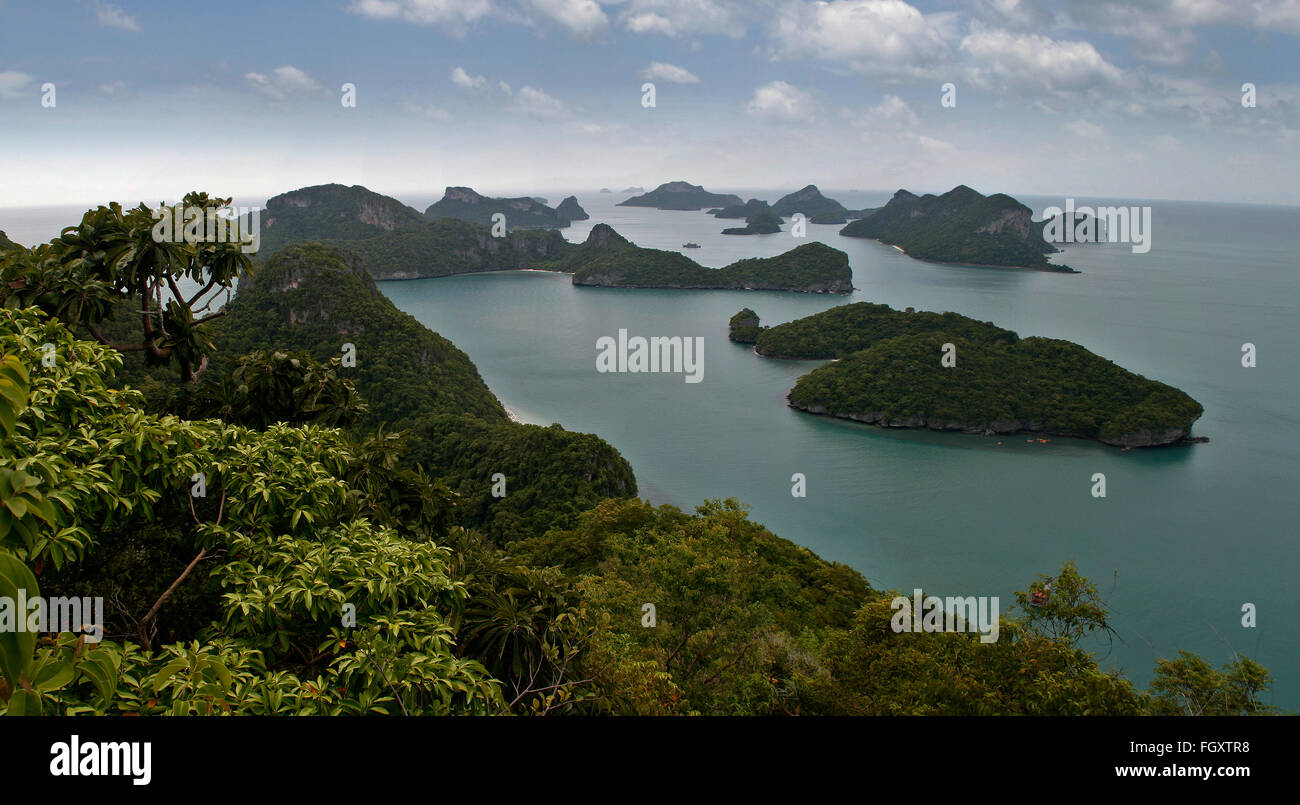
761	221
961	226
114	257
730	597
1190	686
551	475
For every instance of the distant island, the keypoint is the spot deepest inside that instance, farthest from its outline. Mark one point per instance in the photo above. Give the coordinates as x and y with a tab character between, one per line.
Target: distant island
681	196
960	226
634	190
739	210
398	243
465	204
570	210
811	203
762	222
609	260
889	373
606	190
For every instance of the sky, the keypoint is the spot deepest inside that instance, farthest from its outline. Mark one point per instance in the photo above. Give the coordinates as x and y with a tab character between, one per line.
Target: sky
144	101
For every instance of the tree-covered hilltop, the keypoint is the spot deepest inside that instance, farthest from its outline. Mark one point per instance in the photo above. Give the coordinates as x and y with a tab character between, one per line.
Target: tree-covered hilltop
6	244
547	475
680	196
570	209
845	329
816	207
743	327
330	211
450	246
315	298
260	561
890	373
465	204
810	268
762	222
960	226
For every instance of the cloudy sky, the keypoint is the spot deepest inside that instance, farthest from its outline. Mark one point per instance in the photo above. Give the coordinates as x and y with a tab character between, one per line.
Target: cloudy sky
1137	99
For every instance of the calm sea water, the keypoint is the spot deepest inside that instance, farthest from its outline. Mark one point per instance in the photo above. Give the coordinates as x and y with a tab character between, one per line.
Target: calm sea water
1185	536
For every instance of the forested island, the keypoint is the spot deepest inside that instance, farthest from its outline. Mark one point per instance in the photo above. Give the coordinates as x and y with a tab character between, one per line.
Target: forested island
761	222
680	196
890	370
464	204
609	260
960	226
283	532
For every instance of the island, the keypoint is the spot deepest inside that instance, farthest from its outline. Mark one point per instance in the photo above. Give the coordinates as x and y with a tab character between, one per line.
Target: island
812	204
609	260
739	210
681	196
960	226
606	190
762	222
889	370
743	327
570	210
465	204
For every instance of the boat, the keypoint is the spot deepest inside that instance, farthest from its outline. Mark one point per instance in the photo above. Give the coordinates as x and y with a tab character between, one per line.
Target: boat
690	245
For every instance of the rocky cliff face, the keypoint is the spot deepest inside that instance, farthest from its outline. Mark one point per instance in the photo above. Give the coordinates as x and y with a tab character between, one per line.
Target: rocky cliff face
571	210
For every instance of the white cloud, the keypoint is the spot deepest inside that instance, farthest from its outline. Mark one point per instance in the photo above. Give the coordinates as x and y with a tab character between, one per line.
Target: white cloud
1003	59
781	100
886	38
112	16
1085	129
453	16
536	103
112	87
584	18
892	114
473	83
658	71
283	82
685	17
13	84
